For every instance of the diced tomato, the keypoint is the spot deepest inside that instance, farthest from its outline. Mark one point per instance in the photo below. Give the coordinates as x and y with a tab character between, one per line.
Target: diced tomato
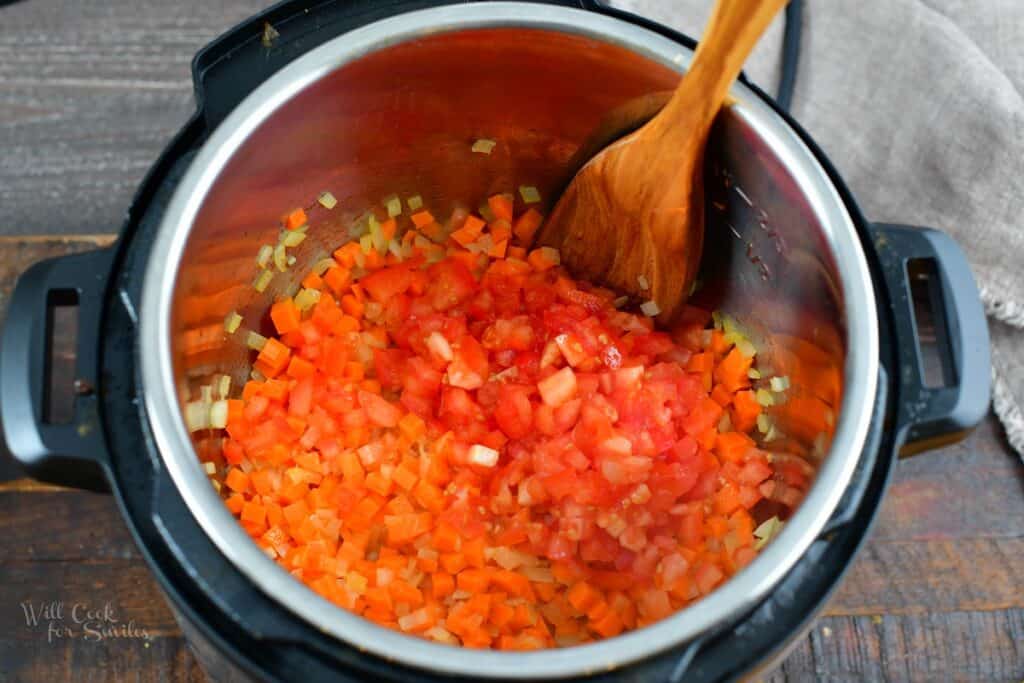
460	441
378	410
390	366
450	284
513	411
469	367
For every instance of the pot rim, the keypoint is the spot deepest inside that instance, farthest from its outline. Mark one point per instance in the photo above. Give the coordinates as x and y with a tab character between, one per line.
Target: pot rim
737	595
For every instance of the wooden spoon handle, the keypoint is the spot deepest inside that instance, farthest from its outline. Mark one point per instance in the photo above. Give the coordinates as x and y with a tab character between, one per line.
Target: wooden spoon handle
729	37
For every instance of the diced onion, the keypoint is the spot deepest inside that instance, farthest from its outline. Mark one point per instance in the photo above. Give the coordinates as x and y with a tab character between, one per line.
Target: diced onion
766	531
765	398
643	282
327	200
293	238
366	244
507	558
746	348
414	619
779	384
223	386
257	375
395	248
206	393
650	309
372	342
280	258
291	260
307	298
764	423
262	280
484	146
414	202
539	574
485	212
820	446
620	302
263	255
197	415
232	321
323	265
219	414
529	194
482	455
437	343
210	468
441	635
356	583
255	341
385	576
552	255
754	373
393	205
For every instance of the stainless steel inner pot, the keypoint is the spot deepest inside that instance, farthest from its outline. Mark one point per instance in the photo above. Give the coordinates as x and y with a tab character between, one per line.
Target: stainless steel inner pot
394	107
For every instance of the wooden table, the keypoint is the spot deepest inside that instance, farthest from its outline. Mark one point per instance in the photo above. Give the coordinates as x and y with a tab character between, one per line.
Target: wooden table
89	93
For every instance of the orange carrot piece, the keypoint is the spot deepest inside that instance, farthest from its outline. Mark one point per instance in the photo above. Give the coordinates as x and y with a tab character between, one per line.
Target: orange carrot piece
285	316
338	279
732	371
422	218
313	281
501	206
525	227
469	232
294	219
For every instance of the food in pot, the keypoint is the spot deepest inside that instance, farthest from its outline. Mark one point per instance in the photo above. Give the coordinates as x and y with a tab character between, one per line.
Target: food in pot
448	435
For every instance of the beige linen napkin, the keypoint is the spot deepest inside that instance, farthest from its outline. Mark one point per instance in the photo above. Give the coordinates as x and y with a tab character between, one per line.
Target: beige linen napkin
920	105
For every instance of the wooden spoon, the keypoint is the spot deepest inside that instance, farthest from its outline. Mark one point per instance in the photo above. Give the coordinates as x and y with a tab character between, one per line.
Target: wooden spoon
633	217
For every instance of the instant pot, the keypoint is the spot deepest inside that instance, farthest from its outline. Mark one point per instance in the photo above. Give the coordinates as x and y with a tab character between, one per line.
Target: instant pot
367	98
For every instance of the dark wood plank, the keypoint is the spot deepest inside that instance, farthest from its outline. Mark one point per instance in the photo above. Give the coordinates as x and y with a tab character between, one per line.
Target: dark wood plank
160	660
971	489
90	92
80	527
126	585
960	646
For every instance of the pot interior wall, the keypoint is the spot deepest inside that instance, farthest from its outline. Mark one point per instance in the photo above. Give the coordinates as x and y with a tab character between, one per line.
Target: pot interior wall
402	120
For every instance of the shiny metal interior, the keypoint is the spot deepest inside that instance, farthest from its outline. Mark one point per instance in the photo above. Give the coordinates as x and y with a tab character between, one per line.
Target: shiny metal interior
394	108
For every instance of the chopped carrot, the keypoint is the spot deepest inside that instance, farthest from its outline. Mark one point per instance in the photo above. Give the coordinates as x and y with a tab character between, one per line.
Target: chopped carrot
285	316
541	260
352	305
429	442
732	371
337	278
274	356
294	219
313	281
469	232
526	226
346	254
501	206
422	219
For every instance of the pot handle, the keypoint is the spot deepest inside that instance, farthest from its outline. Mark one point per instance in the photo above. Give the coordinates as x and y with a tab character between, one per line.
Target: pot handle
64	445
941	336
